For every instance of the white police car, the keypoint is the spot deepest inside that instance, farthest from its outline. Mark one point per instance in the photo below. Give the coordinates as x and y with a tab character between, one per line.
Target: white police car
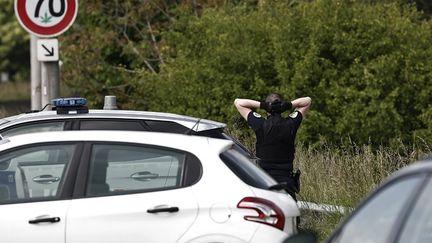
72	114
129	186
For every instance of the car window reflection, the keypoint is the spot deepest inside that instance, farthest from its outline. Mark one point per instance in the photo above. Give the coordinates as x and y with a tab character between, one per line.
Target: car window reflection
418	227
32	128
374	221
123	168
33	173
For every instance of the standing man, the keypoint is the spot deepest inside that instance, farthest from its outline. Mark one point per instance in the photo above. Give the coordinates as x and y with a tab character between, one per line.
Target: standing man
275	135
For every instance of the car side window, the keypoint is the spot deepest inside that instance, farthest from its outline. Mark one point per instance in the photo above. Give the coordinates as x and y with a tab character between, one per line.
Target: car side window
374	221
35	127
34	173
116	168
418	227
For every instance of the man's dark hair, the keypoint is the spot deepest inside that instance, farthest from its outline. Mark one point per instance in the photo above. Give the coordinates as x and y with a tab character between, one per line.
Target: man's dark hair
274	97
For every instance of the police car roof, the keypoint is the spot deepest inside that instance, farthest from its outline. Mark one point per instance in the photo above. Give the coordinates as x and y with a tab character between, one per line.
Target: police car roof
194	123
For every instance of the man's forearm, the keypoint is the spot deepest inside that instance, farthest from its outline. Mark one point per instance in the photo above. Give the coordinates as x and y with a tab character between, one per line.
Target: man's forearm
244	106
301	102
247	103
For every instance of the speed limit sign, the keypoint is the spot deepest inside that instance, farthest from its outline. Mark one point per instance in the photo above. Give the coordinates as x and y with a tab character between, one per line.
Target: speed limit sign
46	18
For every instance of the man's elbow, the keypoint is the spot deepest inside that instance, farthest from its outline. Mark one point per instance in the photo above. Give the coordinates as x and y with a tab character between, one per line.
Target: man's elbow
237	102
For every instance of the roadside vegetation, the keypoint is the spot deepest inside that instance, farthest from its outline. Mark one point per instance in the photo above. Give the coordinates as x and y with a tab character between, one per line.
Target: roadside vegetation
12	91
343	176
14	98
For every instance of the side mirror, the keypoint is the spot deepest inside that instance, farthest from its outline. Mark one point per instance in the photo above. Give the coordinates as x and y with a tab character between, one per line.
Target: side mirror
302	237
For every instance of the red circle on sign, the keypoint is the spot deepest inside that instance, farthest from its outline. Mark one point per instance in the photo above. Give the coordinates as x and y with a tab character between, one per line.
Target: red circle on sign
62	26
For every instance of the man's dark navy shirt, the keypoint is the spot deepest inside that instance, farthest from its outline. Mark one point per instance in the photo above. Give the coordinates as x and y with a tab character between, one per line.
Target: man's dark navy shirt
275	138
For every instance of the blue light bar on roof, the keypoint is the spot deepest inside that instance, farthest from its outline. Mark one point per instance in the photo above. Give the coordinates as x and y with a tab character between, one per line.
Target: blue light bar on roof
69	102
70	105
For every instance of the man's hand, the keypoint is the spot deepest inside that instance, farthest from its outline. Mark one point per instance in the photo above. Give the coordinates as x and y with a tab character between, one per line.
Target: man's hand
286	106
267	106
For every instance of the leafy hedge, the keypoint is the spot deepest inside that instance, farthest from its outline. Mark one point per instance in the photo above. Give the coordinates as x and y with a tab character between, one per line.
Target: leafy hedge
366	66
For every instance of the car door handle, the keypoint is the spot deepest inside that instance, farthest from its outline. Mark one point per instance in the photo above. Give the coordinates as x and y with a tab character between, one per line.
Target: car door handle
144	176
44	219
165	209
46	179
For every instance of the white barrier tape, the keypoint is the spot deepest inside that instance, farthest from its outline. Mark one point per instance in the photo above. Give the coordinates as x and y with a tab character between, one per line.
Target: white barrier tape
326	208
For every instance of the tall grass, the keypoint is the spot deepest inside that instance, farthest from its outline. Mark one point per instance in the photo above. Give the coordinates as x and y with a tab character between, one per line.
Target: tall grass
344	176
14	91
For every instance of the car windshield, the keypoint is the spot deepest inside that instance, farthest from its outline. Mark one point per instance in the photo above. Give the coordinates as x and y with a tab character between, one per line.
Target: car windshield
246	169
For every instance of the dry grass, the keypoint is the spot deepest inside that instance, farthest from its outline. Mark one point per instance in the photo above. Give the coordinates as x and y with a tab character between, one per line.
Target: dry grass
14	91
344	176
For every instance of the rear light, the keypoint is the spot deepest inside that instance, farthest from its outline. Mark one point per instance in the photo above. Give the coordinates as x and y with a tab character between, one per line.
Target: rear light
268	212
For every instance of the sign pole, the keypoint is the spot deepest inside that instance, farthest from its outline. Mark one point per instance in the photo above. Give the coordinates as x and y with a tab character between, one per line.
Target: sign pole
45	19
50	81
48	54
35	70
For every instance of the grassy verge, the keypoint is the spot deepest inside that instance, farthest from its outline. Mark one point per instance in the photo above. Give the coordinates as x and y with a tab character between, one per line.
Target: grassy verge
14	91
344	176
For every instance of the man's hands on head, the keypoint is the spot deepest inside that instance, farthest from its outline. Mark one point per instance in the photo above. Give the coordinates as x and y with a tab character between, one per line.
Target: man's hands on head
276	106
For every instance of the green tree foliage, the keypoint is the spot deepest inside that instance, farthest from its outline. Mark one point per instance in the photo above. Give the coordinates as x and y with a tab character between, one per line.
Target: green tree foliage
114	42
365	64
14	44
422	5
106	47
367	67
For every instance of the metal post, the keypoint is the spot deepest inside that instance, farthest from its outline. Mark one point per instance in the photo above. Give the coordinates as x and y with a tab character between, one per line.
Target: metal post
50	81
35	75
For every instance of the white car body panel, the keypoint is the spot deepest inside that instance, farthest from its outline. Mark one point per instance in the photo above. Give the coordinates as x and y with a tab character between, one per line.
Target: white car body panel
218	208
91	218
15	226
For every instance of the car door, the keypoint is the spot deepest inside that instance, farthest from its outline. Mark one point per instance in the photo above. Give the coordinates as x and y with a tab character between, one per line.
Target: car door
134	193
32	206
